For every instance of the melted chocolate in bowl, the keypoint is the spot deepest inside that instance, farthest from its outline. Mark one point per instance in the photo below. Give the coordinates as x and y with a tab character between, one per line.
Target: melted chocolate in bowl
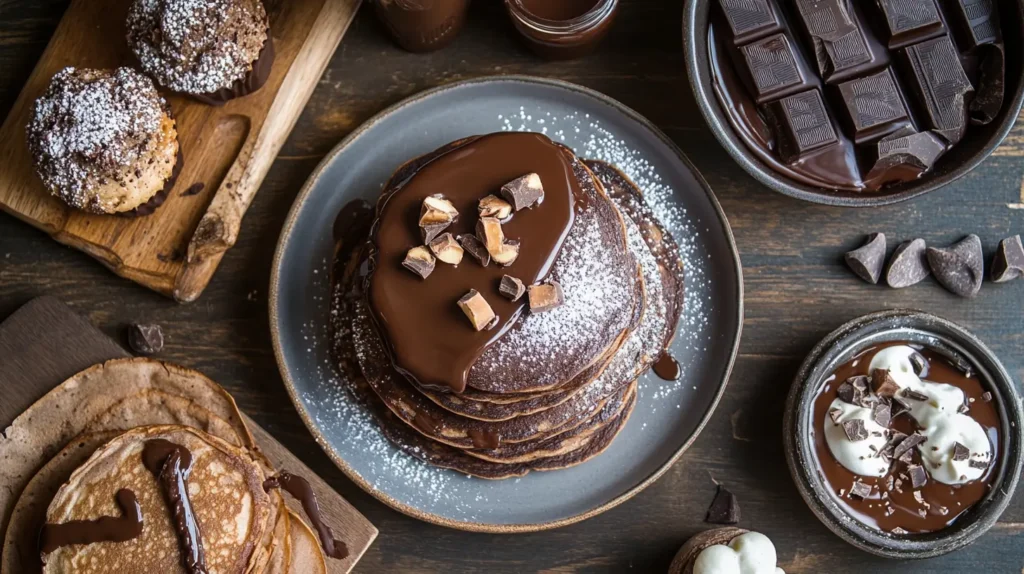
906	510
430	338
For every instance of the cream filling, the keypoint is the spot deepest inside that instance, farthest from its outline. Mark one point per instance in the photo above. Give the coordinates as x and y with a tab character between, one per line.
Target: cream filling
749	553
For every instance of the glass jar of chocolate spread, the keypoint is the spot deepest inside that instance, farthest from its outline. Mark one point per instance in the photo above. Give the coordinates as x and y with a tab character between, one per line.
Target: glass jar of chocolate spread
562	29
422	25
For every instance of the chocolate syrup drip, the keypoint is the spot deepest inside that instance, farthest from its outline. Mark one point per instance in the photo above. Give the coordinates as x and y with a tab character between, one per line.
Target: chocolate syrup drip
299	488
666	367
352	226
104	529
171	464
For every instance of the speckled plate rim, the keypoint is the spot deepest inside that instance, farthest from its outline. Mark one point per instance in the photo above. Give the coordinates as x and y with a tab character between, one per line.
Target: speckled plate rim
695	54
957	339
275	320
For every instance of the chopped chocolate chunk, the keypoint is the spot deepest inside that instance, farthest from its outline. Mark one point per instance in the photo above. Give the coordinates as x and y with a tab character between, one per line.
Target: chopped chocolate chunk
908	265
508	254
918	475
937	78
960	267
420	261
860	383
846	393
986	396
919	364
489	232
960	452
446	249
724	509
772	68
907	444
478	310
909	22
884	384
873	106
751	19
523	192
975	22
882	414
545	296
904	154
494	206
834	414
854	429
867	261
436	214
839	45
915	395
512	288
860	490
801	125
1008	263
979	464
145	339
899	406
472	245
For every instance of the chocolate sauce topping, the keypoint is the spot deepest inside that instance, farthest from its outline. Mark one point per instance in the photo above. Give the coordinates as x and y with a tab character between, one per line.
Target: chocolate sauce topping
895	505
430	339
299	488
104	529
171	464
667	368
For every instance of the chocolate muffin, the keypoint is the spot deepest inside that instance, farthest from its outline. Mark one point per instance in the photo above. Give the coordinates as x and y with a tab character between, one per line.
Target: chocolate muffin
104	141
212	50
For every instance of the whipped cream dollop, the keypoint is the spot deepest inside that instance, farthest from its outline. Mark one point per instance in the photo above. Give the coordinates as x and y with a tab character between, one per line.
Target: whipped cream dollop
938	416
749	553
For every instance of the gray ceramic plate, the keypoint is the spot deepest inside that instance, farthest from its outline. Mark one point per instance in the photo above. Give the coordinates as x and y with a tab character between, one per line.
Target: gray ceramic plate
668	415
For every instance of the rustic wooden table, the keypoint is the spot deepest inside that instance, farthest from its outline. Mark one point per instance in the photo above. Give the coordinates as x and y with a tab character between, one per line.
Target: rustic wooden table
797	290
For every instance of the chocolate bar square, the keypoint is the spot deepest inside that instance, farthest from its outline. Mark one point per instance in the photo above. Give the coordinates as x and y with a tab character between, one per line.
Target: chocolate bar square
910	21
751	19
873	106
841	47
801	125
941	86
773	68
976	22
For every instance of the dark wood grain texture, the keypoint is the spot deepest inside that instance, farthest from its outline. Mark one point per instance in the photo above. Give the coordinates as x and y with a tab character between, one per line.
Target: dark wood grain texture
796	286
47	342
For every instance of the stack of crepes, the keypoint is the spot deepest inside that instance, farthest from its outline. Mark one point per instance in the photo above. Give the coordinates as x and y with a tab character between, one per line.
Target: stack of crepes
537	387
94	473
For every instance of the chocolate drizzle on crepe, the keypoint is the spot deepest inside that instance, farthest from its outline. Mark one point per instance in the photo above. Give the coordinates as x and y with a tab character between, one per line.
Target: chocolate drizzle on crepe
299	488
171	464
104	529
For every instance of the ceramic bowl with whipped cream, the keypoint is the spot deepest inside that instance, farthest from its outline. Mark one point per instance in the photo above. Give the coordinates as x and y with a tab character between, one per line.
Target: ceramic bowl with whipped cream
903	433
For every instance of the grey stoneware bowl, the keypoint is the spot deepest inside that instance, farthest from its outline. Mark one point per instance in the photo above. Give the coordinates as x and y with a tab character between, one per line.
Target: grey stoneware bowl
948	338
979	143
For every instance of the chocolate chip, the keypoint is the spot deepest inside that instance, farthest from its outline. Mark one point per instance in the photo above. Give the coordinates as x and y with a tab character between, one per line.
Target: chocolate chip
420	261
867	261
882	414
908	265
883	383
919	363
846	392
545	296
907	444
835	414
512	288
860	490
724	509
474	247
193	189
523	192
960	452
1008	263
959	268
918	475
915	395
986	396
854	429
145	339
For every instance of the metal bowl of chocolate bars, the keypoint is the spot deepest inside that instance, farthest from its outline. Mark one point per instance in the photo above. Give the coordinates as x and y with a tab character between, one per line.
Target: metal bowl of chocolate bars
903	434
857	102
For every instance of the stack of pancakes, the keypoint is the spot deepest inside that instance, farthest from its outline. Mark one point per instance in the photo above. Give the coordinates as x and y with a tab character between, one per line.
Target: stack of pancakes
551	390
93	429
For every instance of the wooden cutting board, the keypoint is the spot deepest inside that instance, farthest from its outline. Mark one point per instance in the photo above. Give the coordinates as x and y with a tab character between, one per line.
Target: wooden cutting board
45	342
228	150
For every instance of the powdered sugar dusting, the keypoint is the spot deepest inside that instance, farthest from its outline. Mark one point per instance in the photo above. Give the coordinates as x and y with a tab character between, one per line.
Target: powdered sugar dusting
197	46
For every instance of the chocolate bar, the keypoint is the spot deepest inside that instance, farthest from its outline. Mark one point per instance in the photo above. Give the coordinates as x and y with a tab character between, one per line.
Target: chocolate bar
751	19
873	106
910	21
841	48
975	22
801	125
773	67
940	84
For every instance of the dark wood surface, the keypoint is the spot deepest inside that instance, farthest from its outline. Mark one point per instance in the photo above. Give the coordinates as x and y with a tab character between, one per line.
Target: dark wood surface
44	342
797	290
